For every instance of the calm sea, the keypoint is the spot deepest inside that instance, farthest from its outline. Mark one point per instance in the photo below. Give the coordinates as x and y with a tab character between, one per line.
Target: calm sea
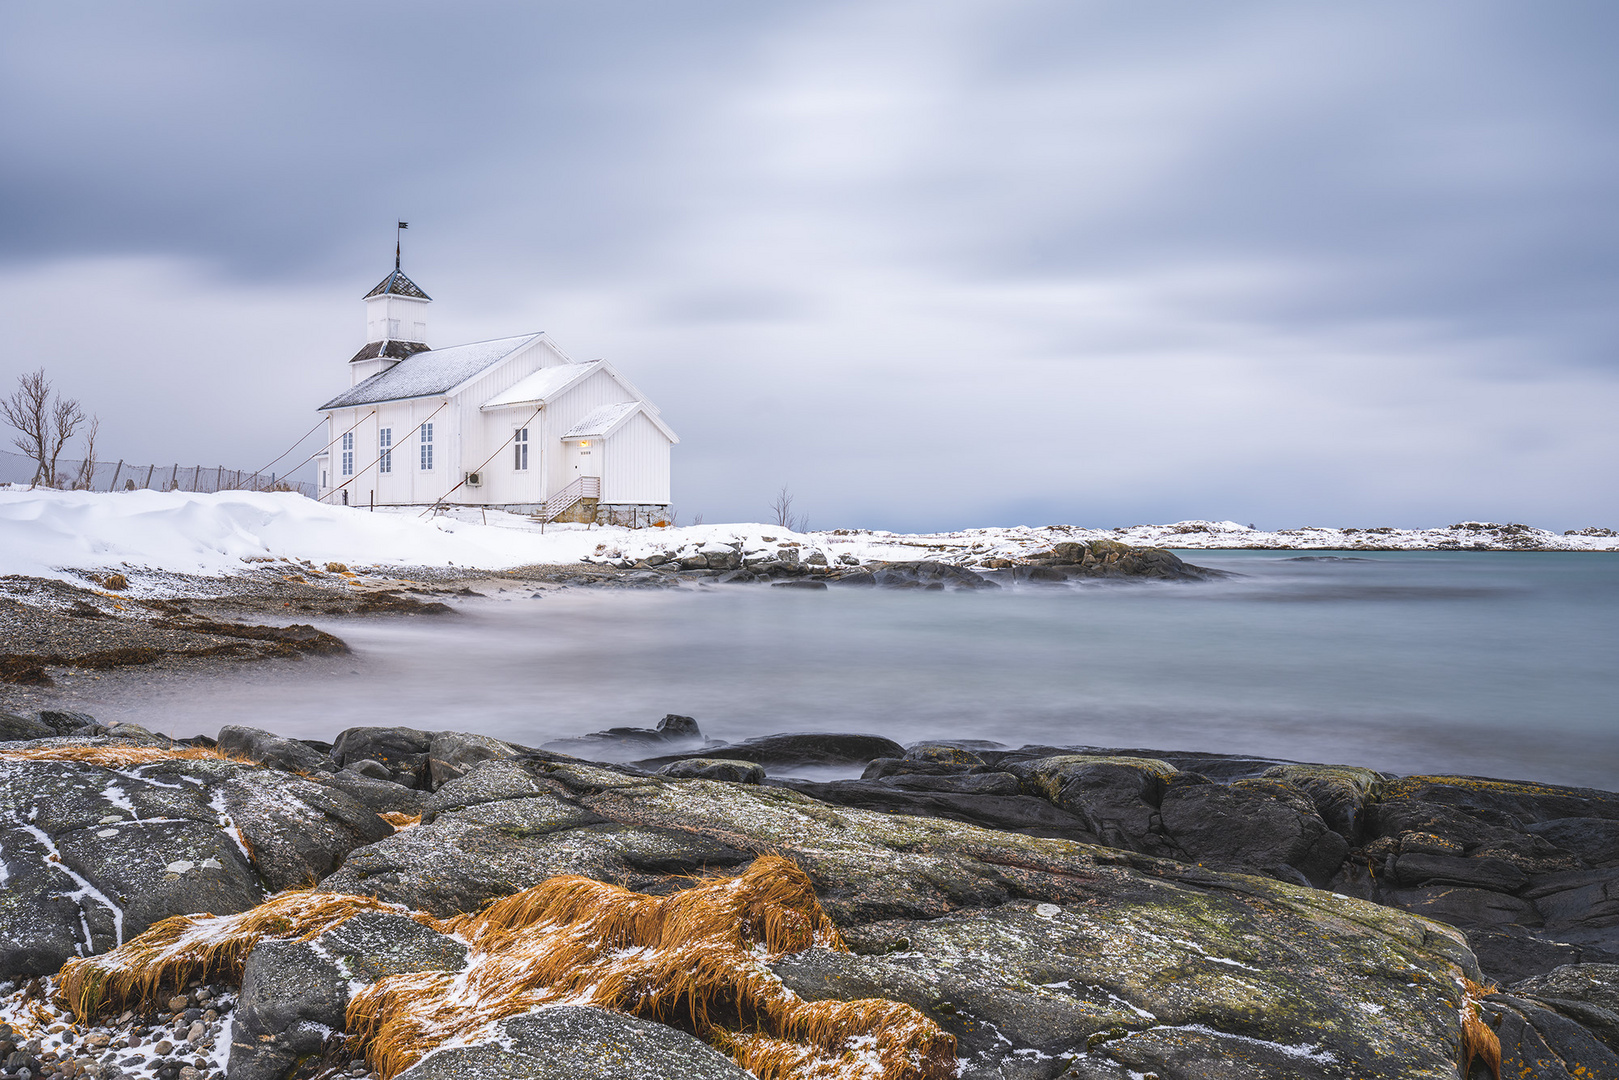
1499	664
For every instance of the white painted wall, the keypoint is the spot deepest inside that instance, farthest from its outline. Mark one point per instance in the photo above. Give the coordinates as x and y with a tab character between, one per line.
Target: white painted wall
397	318
635	463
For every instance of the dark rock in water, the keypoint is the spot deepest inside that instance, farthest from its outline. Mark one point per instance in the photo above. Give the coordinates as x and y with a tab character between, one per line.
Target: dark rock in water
1254	826
403	750
973	783
573	1043
787	751
801	583
15	728
294	993
453	753
736	772
918	575
622	741
945	753
268	748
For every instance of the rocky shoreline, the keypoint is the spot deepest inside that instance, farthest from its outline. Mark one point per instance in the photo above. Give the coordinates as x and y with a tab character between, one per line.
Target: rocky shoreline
114	621
1039	911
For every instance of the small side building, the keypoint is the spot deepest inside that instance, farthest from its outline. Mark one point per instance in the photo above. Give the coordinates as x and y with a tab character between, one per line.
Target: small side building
513	423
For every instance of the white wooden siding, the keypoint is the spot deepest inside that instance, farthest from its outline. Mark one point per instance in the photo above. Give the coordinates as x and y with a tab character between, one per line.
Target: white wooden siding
636	469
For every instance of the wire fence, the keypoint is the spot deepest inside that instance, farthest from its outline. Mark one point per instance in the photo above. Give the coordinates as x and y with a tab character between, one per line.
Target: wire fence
123	476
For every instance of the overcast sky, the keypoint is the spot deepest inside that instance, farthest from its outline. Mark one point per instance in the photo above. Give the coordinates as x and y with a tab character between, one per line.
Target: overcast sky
929	264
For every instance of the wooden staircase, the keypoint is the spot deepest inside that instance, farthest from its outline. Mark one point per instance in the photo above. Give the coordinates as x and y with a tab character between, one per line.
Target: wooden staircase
585	490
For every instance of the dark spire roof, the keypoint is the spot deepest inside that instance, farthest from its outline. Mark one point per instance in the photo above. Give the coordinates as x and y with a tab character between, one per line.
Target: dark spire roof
399	285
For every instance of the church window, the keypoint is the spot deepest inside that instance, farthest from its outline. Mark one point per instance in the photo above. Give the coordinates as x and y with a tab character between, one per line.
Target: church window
348	453
520	450
427	447
385	442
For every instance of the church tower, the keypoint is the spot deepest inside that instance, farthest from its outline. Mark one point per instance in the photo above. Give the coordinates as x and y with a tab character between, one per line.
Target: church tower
395	324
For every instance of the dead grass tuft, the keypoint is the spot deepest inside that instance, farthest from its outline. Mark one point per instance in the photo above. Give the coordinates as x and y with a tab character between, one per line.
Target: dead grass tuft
1478	1041
185	948
399	819
120	757
696	959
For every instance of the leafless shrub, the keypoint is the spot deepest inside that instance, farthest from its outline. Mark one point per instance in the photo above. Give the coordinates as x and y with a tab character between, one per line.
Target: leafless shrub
87	469
44	422
782	508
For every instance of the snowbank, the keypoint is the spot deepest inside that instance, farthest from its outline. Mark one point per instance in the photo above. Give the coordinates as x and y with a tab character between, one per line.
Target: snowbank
49	533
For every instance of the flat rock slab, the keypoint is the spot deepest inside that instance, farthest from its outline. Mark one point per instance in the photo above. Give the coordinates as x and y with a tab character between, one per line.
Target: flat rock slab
572	1043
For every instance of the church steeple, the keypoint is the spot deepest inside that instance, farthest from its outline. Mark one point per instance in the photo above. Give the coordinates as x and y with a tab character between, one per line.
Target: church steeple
396	310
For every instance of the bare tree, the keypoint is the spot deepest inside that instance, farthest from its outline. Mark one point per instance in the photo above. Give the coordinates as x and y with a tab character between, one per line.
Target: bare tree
87	470
43	425
783	509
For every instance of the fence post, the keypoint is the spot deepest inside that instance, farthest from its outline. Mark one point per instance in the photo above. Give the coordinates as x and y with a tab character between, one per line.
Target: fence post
114	485
149	470
174	477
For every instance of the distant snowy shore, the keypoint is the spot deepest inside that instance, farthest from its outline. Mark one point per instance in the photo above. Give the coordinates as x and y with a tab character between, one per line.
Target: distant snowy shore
64	534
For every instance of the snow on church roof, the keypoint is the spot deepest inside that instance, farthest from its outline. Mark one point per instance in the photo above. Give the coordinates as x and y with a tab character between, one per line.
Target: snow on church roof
599	422
428	374
542	386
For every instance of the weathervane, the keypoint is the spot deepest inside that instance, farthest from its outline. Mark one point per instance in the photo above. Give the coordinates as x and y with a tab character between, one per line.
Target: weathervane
397	230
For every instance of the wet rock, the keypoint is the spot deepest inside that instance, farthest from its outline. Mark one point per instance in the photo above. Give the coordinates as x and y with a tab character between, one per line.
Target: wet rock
1465	907
268	748
988	782
452	753
1593	841
1481	873
571	1042
1588	994
730	770
918	575
944	754
294	994
371	770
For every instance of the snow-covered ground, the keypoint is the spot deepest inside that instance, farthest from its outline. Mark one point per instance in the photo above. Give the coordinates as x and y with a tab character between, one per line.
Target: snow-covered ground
55	533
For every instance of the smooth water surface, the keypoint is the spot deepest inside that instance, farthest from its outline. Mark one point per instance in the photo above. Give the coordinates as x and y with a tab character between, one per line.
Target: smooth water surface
1491	663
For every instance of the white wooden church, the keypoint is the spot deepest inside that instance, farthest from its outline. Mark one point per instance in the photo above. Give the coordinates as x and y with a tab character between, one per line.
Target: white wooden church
512	423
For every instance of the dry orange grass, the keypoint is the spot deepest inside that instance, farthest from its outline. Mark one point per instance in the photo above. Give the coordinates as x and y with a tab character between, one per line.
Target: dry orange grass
696	959
118	757
184	948
399	819
1478	1041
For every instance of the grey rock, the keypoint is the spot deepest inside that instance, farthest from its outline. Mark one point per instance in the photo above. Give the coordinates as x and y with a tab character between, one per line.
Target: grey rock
1339	792
452	753
1538	1043
1482	873
14	728
574	1042
63	722
403	750
1115	796
294	994
268	748
799	748
492	780
371	770
976	783
1508	954
299	831
1465	907
378	796
1594	841
732	771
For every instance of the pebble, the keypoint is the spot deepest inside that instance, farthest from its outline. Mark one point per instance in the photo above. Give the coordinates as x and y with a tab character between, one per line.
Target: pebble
178	1002
163	1048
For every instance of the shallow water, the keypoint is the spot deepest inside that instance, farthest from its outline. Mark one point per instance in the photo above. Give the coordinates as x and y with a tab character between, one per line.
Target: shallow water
1497	663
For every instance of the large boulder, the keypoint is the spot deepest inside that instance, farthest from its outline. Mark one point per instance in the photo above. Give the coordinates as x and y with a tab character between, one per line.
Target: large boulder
1116	796
403	751
299	831
268	748
294	993
1252	826
14	728
453	753
727	769
570	1042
